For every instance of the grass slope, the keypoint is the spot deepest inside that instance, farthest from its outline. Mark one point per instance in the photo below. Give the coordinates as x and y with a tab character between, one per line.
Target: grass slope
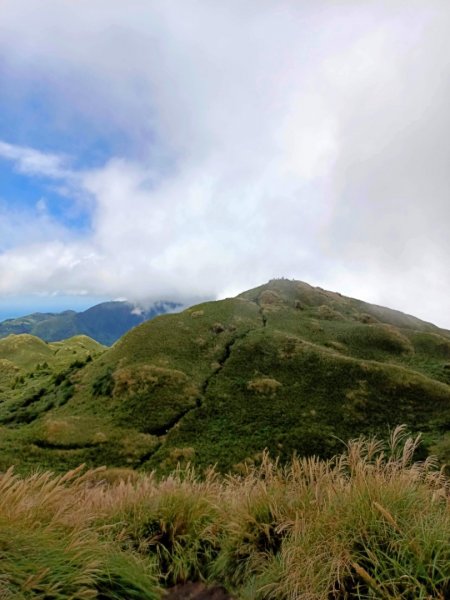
35	378
368	523
285	366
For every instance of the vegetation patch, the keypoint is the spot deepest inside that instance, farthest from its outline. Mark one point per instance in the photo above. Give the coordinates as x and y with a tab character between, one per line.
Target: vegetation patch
153	398
264	385
368	339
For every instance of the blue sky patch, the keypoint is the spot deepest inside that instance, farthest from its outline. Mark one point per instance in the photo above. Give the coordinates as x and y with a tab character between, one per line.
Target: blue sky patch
19	192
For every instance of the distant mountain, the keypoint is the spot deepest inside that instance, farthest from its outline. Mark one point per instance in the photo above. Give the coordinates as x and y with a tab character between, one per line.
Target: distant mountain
105	322
285	366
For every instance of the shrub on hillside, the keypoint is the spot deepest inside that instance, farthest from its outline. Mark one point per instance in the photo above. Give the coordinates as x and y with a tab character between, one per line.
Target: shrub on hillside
264	385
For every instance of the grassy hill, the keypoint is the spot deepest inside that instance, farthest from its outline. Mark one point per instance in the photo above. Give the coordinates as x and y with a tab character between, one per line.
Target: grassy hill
285	366
104	322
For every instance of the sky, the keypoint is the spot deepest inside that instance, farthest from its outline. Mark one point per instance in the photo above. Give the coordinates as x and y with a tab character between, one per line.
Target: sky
190	149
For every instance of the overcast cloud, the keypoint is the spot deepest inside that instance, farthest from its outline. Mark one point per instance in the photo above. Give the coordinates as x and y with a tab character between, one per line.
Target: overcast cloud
264	138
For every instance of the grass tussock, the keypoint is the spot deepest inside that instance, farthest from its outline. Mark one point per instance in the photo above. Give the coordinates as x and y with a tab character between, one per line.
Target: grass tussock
367	524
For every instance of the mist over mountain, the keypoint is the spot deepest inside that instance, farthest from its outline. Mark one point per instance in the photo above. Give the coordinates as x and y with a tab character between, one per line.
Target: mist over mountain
105	322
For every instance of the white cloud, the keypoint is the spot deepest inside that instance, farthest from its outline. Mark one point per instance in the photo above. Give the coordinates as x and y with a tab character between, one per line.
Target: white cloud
32	162
269	138
21	229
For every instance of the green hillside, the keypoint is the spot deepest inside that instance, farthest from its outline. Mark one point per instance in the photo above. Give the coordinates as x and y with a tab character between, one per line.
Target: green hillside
285	366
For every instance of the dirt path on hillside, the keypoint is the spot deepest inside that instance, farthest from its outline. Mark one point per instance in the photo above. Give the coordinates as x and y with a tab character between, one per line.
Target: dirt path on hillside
196	591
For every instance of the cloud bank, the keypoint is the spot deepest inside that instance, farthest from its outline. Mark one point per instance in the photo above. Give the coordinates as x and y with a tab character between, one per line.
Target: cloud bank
268	138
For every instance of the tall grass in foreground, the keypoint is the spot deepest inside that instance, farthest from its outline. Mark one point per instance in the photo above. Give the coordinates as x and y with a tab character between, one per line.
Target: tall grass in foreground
51	548
368	524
